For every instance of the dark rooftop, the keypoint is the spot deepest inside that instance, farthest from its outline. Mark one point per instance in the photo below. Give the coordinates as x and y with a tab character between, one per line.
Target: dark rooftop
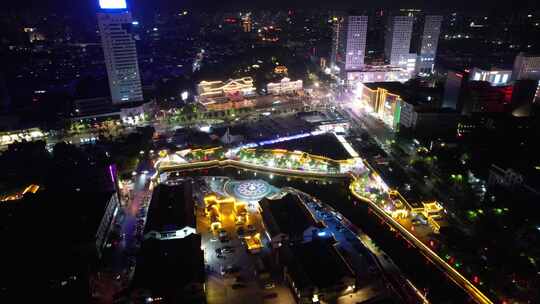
318	264
171	208
413	93
287	215
48	237
167	268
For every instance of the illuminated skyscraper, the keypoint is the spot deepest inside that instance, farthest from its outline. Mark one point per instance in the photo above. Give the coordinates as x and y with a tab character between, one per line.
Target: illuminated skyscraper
115	26
397	40
349	42
428	45
526	66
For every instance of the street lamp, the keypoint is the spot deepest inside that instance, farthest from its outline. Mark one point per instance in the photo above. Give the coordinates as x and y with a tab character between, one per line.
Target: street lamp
184	95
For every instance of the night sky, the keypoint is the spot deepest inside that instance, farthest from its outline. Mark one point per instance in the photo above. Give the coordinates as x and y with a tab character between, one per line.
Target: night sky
90	5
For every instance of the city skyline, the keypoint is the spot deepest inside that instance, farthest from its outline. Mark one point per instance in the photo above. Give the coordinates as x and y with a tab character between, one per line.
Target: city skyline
167	154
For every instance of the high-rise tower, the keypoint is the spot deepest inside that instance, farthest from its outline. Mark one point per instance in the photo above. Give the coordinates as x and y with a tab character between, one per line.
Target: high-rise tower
397	40
115	26
349	42
428	45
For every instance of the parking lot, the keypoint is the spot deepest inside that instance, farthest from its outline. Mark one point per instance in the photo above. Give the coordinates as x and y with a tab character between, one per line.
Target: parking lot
232	271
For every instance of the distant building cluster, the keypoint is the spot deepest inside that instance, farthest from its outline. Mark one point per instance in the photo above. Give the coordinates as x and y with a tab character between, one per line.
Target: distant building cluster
349	47
398	105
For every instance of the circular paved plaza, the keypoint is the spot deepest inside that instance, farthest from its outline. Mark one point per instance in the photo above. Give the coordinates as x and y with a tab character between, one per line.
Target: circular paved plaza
249	190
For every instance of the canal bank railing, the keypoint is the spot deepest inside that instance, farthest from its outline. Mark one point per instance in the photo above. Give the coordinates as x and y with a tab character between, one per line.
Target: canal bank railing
453	274
250	166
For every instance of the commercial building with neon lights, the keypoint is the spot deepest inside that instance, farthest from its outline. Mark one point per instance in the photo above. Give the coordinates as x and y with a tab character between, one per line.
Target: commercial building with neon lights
210	92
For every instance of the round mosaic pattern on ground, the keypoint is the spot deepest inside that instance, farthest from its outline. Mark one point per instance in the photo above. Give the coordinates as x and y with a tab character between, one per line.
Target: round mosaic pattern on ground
249	190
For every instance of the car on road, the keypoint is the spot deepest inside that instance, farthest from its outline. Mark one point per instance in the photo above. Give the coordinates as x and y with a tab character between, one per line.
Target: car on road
269	285
227	249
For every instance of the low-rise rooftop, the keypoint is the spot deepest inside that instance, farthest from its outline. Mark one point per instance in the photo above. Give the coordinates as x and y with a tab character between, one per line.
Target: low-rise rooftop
318	264
171	208
287	215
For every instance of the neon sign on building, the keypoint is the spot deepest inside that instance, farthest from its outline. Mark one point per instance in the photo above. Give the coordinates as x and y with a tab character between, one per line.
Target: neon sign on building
112	4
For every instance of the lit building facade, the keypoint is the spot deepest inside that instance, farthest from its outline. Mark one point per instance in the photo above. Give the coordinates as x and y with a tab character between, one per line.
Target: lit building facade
424	120
526	66
496	77
117	39
349	42
428	46
452	89
28	135
285	86
210	92
247	25
381	103
281	69
507	178
397	41
384	73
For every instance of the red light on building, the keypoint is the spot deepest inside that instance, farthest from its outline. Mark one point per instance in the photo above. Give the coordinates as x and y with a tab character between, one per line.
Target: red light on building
507	92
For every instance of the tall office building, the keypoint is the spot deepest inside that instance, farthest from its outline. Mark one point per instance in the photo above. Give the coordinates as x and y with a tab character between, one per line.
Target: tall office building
397	40
349	42
428	45
115	26
453	88
526	66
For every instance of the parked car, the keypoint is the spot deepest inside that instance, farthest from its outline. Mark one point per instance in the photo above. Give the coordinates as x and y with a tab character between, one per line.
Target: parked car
269	285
